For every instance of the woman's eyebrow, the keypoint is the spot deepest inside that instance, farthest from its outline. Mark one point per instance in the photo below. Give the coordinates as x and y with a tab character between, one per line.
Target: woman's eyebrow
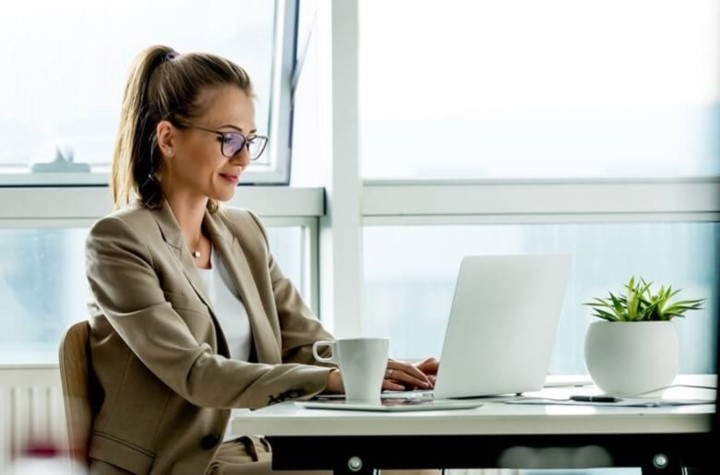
230	126
239	129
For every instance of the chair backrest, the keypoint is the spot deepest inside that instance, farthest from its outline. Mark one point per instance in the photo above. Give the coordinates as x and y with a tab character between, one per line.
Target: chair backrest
80	388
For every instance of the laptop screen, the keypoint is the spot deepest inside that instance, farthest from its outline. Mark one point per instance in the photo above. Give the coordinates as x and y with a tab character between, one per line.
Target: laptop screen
502	324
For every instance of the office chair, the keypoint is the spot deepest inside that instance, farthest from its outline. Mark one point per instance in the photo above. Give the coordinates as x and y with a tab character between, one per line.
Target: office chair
81	393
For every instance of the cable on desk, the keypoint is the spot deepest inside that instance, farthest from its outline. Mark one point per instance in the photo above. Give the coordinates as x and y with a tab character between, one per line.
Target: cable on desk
611	399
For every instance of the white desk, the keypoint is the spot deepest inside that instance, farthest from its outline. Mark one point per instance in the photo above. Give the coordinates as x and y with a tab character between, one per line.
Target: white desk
488	436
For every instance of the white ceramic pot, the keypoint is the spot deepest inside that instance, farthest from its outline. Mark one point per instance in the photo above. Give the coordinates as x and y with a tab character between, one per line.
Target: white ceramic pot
629	358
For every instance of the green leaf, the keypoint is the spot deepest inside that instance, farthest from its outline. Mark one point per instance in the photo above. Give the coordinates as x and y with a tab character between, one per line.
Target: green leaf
618	304
639	303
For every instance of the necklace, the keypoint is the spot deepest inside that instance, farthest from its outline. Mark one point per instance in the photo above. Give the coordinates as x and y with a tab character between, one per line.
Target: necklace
196	251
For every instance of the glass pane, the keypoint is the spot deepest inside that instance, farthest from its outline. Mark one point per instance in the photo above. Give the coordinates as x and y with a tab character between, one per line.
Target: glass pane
527	89
410	274
67	63
307	16
43	288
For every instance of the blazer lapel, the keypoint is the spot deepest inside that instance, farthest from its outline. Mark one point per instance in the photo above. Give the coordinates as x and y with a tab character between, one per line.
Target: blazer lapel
236	263
172	234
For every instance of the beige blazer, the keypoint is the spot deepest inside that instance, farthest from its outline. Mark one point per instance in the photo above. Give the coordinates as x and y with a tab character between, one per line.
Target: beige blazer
158	352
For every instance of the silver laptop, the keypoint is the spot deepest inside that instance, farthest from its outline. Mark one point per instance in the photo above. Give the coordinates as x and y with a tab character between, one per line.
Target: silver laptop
502	325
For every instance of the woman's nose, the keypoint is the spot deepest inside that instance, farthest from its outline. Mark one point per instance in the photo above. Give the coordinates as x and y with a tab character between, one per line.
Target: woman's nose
242	158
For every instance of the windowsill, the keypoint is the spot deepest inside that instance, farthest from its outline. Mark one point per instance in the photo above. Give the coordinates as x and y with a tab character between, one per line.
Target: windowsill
504	181
28	367
21	176
93	202
541	197
258	174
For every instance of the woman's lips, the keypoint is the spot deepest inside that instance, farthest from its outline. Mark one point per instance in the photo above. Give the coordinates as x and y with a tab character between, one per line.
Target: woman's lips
230	178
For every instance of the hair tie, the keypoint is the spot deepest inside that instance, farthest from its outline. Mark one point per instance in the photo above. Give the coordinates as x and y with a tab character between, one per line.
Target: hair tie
171	55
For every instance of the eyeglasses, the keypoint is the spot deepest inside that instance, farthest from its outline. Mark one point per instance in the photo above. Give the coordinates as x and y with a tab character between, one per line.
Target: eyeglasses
232	143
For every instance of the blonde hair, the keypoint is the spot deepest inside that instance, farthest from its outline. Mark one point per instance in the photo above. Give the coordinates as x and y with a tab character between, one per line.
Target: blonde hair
161	85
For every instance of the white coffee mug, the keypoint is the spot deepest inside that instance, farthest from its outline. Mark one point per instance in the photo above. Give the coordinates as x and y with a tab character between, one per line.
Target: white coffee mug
362	364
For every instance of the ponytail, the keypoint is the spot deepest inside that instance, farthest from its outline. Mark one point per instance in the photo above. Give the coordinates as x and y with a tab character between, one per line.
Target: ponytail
135	162
161	85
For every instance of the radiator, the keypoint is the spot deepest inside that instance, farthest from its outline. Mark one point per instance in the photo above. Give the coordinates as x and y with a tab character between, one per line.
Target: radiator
31	409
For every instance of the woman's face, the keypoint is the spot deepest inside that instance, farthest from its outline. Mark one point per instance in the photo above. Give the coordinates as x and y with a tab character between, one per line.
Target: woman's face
196	165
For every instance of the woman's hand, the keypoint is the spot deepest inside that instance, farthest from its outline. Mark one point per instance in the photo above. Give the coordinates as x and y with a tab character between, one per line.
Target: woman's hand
401	376
429	366
334	382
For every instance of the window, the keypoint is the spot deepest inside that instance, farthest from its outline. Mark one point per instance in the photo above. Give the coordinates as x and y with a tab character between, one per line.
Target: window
551	89
517	126
66	64
43	286
61	93
410	274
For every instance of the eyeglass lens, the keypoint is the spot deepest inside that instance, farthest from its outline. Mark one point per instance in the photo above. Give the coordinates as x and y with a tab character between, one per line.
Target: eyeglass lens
233	144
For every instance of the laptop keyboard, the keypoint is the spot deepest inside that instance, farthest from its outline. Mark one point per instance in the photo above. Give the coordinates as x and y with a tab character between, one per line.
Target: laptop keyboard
416	393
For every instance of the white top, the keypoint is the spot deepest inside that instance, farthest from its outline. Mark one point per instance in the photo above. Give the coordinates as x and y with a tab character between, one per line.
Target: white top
228	308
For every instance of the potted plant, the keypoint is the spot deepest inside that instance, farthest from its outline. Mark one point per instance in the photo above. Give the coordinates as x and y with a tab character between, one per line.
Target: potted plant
634	349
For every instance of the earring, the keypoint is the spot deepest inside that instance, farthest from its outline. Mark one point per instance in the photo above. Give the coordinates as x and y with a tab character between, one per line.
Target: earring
169	152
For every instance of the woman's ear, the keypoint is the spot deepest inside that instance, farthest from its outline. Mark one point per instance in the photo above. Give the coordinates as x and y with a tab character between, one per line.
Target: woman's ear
165	133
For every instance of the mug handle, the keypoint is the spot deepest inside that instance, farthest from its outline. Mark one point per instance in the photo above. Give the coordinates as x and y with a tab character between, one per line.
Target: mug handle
332	358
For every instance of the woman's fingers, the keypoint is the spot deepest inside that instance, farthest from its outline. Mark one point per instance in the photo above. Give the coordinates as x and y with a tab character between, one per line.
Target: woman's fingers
407	374
391	385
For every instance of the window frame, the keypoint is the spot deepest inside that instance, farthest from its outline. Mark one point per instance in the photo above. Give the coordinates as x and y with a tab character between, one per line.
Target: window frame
438	202
275	172
68	207
541	201
354	202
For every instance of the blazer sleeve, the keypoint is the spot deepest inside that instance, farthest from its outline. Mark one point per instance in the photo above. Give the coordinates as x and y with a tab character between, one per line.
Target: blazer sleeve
127	290
299	327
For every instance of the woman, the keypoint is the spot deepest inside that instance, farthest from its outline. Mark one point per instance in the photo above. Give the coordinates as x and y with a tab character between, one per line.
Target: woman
190	314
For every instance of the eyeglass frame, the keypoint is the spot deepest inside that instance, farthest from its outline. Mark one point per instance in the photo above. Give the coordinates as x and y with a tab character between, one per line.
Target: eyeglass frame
222	142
